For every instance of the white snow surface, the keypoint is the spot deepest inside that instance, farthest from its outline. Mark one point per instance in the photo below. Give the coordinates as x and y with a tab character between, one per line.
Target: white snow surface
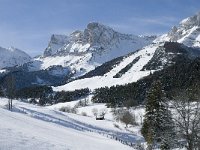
132	75
12	57
45	128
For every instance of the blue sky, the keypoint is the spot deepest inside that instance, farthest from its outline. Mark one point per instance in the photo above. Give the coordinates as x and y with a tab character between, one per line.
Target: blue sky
28	24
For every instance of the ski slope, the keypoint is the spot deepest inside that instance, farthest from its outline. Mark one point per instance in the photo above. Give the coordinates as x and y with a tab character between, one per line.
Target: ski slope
132	75
34	127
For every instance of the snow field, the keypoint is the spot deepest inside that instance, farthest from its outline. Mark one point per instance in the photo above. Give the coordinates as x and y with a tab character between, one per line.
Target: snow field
34	127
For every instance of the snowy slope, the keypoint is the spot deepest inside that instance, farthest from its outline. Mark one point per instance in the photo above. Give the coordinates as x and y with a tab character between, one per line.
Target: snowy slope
132	75
82	51
34	127
12	57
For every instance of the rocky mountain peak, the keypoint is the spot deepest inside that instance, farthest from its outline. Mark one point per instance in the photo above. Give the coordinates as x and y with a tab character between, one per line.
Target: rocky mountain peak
97	34
98	26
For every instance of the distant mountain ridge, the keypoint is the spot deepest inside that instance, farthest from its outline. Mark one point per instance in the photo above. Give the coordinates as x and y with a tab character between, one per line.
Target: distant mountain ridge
12	57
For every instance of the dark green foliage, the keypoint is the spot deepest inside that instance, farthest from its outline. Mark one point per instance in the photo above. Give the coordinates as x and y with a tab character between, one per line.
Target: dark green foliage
116	96
158	127
113	96
46	95
43	93
67	96
34	92
152	119
125	69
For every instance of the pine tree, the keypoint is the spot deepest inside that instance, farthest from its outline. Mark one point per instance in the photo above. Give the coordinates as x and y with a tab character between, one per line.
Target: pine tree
168	134
157	128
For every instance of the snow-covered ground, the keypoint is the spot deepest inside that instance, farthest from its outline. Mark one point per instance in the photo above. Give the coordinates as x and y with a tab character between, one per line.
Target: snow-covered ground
33	127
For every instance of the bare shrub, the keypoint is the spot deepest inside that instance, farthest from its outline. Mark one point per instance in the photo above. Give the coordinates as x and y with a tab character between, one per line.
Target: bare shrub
124	116
128	118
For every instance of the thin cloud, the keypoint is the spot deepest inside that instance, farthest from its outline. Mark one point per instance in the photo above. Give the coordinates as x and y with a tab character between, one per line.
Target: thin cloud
146	26
163	21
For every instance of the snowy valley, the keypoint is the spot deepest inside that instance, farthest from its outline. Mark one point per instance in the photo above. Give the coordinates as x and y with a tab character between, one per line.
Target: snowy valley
99	89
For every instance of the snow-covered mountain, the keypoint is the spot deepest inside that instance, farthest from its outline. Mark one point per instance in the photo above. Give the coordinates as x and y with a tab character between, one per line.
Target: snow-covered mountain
187	32
82	51
133	66
69	57
12	57
164	51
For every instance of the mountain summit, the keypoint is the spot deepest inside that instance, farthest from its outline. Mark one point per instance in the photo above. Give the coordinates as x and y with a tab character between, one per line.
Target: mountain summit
96	38
187	32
